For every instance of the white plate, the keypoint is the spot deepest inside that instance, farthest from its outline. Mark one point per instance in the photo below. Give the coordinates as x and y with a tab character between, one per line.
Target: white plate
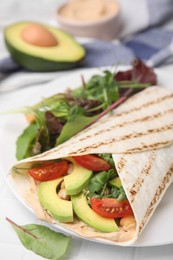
160	228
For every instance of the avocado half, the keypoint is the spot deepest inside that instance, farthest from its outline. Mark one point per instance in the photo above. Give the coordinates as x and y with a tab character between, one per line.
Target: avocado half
65	55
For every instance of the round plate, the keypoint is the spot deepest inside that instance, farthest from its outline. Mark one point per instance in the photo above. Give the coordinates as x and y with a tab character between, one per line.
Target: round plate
159	230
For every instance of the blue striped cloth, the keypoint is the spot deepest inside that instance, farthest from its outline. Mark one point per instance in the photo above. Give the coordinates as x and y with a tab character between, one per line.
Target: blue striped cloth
154	46
147	34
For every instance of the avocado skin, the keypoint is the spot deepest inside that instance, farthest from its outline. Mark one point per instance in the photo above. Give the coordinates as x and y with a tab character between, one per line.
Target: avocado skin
60	209
90	217
38	64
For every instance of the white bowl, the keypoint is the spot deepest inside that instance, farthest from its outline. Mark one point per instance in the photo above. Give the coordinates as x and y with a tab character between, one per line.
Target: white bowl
106	28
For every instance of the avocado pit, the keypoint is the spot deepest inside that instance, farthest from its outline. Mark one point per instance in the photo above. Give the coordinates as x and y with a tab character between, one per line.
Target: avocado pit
38	35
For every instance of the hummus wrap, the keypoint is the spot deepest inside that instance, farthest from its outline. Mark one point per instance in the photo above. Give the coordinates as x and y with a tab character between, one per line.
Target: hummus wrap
139	135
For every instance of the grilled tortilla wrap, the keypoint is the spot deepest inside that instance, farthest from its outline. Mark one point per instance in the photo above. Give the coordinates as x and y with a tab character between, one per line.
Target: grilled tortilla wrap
139	134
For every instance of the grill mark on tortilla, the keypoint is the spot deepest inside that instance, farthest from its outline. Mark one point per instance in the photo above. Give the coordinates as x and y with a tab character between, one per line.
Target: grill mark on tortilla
140	180
150	103
143	119
156	197
132	136
153	102
102	120
135	188
147	104
120	165
149	146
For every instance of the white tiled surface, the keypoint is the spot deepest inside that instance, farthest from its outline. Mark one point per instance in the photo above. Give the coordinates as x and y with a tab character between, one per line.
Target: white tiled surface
10	246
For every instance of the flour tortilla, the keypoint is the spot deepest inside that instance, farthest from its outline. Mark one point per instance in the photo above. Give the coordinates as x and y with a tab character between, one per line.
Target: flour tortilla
144	122
139	135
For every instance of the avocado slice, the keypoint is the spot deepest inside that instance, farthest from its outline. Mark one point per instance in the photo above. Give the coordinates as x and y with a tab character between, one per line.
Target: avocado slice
65	53
116	182
90	217
77	180
60	209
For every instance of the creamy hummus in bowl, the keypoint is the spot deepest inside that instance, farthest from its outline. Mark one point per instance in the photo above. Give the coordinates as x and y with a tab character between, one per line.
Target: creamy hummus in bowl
90	18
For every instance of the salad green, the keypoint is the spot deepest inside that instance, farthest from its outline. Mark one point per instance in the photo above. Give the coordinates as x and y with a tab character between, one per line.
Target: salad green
57	118
100	186
42	240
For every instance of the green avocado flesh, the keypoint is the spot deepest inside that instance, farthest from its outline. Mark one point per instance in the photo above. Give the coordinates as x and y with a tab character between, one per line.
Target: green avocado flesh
60	209
116	182
66	55
77	180
90	217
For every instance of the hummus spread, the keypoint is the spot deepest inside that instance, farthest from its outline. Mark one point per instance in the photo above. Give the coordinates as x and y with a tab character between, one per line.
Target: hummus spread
89	10
124	234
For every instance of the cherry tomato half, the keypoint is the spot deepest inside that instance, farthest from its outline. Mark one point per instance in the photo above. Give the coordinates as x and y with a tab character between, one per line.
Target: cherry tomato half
111	208
92	162
49	171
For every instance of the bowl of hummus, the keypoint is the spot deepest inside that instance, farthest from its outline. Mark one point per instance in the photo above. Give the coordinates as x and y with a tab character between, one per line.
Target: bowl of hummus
90	18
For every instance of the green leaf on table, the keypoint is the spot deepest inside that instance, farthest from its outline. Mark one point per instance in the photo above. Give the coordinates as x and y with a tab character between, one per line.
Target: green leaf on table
42	240
74	126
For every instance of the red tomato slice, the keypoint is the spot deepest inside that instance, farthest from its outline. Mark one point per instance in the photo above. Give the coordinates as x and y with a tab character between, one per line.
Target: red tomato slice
93	162
111	208
49	171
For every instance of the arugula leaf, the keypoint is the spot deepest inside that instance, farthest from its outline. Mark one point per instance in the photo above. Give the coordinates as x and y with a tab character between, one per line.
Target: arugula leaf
118	193
48	102
25	140
42	240
74	126
122	195
41	142
34	139
103	88
60	109
43	105
99	182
